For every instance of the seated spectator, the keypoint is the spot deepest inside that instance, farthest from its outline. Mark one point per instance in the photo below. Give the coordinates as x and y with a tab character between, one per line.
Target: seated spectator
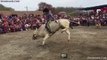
1	27
11	27
27	26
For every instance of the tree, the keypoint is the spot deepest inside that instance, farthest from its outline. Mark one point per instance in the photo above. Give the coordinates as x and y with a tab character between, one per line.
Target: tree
55	10
3	8
42	5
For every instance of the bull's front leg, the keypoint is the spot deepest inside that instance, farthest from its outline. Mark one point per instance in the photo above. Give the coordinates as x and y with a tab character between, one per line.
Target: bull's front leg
68	33
44	39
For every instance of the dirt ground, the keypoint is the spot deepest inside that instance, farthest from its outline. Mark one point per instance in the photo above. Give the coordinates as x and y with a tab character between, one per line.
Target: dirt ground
87	43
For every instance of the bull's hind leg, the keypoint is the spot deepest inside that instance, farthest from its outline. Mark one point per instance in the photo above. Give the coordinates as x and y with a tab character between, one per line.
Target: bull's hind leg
63	30
68	33
44	39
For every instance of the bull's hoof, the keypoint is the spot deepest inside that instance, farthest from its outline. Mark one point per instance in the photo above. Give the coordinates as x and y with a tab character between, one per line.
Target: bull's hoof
33	37
68	40
43	46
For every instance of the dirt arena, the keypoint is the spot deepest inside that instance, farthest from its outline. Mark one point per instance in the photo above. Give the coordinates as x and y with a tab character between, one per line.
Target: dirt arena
87	43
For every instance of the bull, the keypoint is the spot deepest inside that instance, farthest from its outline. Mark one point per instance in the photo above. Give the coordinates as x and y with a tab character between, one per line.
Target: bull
63	24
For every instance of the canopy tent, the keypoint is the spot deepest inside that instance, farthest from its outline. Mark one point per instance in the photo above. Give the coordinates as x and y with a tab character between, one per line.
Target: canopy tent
102	7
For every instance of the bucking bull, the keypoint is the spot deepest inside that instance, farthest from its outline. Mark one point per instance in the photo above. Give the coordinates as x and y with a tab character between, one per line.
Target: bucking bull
63	24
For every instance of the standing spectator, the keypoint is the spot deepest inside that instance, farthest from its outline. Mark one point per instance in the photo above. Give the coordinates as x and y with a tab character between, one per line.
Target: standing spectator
5	24
98	22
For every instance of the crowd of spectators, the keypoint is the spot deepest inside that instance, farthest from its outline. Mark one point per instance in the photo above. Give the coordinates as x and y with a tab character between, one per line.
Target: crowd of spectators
92	18
14	23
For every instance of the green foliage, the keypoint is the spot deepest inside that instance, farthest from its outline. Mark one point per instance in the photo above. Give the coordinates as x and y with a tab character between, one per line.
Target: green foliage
74	13
69	10
55	10
66	9
3	8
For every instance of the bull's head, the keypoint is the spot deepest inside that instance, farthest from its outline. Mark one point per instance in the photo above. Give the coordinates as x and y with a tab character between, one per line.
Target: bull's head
34	37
